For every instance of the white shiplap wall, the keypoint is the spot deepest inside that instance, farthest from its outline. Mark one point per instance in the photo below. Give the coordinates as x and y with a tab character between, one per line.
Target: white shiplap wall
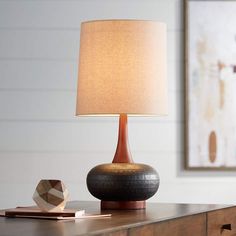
39	135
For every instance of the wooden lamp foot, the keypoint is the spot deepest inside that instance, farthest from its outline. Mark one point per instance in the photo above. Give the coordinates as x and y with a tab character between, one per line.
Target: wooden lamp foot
123	205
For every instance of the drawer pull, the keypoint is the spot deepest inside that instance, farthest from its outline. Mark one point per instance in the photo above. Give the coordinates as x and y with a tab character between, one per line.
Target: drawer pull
226	226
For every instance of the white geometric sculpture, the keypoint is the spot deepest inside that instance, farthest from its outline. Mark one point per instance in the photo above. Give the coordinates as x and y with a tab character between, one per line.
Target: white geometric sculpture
51	195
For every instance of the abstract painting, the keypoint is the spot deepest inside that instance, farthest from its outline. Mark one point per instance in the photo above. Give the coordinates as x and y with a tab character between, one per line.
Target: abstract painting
210	66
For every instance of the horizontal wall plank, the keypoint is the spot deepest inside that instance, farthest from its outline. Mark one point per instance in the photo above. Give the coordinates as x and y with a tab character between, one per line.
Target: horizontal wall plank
82	136
46	166
37	105
60	106
60	75
16	194
59	44
203	192
20	74
69	14
39	44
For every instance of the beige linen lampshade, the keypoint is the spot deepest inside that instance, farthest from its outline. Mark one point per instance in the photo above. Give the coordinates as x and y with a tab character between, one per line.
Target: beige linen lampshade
122	68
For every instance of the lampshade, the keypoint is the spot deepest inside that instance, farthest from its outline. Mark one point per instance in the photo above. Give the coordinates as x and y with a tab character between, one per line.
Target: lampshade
122	68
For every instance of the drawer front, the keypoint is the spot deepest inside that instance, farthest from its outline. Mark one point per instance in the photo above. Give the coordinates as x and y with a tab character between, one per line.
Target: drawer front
194	225
222	222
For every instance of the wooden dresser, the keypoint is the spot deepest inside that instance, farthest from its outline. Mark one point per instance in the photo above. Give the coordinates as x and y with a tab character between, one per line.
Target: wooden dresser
159	219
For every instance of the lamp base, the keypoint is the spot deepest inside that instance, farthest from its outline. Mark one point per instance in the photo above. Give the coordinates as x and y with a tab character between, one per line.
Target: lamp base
123	205
123	185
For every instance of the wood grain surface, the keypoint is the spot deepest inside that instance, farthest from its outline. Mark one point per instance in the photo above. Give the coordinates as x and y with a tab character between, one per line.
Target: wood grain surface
158	219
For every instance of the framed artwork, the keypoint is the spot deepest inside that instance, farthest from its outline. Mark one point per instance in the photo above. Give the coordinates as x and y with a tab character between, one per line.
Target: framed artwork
210	79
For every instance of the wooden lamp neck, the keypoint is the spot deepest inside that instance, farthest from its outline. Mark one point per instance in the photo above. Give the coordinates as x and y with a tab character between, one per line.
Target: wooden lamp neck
123	154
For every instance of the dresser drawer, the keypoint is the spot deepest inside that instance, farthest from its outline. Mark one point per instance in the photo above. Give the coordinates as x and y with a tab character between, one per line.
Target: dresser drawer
194	225
222	222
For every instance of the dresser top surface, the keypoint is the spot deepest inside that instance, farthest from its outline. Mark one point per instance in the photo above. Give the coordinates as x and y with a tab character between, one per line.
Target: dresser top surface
155	212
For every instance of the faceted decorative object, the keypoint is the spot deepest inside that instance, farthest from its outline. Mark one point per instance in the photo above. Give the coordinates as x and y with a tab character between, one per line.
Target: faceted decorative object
51	195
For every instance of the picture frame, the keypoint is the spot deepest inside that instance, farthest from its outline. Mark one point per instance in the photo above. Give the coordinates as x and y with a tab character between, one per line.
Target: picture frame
210	84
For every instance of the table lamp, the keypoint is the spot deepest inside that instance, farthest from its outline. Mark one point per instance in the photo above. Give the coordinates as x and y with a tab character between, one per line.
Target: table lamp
122	71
